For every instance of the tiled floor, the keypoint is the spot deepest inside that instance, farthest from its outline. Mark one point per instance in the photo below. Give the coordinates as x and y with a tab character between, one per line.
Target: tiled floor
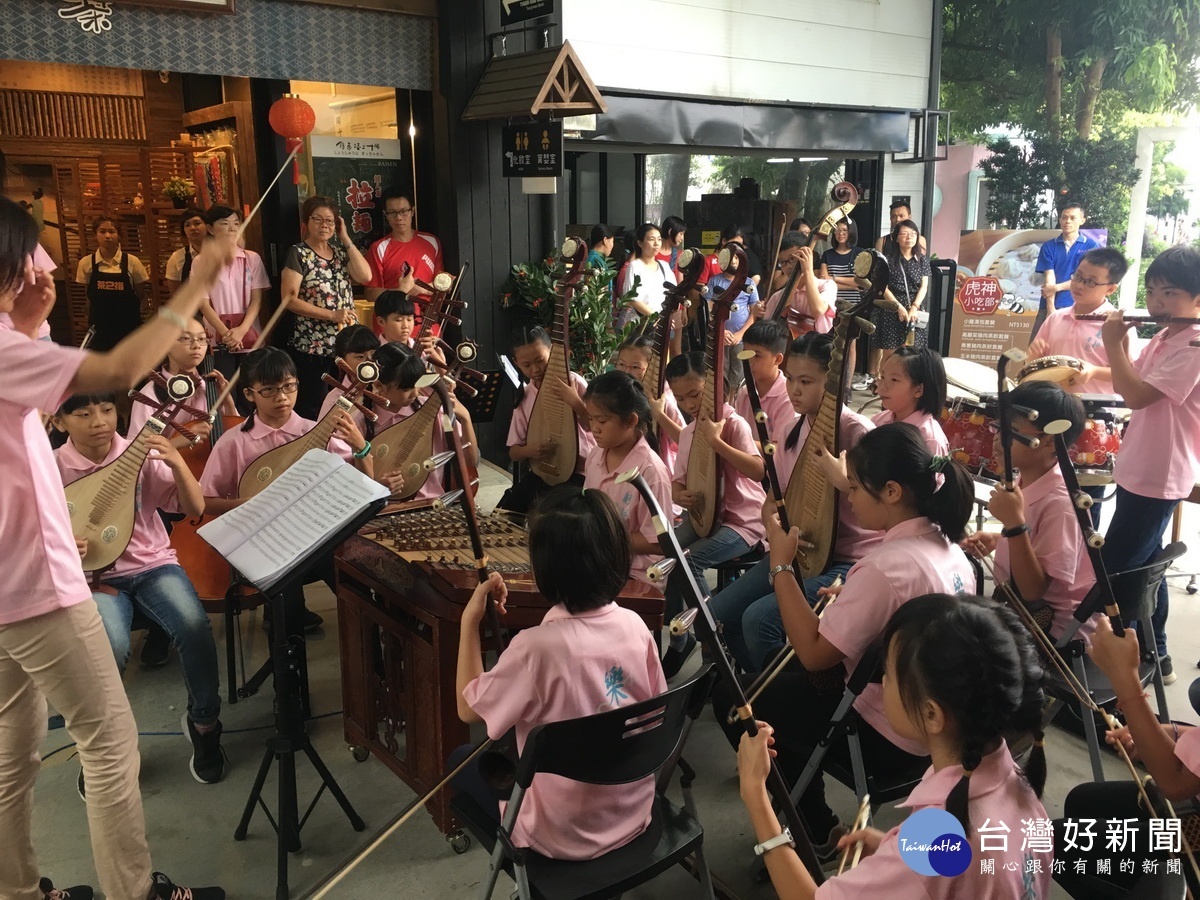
191	825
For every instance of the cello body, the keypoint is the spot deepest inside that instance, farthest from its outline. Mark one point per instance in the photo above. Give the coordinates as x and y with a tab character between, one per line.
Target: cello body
552	419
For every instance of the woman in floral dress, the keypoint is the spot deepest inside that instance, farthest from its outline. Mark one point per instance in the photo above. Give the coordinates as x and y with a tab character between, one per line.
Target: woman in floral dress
317	287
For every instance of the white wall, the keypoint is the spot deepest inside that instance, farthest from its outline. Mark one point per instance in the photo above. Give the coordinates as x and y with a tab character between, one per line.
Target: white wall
847	53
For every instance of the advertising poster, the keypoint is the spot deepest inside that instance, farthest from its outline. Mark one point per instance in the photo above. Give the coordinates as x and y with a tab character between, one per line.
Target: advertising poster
997	292
355	172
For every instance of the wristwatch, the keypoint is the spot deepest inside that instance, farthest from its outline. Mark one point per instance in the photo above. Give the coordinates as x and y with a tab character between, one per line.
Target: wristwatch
775	571
778	840
1015	531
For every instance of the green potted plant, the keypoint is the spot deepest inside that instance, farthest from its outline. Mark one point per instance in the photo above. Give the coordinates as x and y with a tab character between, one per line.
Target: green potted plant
180	190
529	294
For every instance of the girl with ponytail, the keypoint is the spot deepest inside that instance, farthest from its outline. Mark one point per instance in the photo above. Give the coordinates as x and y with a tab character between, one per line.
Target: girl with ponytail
960	675
922	504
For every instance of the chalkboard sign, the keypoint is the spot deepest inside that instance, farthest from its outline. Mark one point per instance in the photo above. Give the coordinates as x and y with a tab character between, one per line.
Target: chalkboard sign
355	172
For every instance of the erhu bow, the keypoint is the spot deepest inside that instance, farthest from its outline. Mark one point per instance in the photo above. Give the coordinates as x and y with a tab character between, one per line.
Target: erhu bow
703	466
697	598
552	418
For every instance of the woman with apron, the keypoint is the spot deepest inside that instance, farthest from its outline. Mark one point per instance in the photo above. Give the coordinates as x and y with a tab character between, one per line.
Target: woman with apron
114	291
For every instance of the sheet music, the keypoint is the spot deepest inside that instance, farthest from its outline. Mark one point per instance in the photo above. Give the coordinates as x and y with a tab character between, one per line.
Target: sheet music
267	535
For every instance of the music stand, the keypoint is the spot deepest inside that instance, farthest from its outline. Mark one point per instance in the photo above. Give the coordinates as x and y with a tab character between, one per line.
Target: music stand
290	736
482	406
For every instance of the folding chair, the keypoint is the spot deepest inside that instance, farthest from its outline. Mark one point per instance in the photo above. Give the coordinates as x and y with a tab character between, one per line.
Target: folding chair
883	786
616	747
1136	592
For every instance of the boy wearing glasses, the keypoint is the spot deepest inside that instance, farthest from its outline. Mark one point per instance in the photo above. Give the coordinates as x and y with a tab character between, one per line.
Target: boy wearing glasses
421	251
148	575
1096	278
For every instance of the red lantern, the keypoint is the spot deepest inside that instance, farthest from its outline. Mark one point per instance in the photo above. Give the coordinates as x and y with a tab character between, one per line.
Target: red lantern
293	119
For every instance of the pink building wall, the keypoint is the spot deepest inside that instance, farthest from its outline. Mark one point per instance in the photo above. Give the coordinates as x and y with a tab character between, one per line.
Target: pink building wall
951	218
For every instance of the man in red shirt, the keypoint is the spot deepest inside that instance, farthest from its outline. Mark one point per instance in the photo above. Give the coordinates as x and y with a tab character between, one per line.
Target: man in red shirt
387	256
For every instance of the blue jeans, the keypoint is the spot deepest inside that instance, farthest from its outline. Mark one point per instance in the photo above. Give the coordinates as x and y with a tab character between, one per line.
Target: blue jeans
1134	539
166	597
721	546
749	612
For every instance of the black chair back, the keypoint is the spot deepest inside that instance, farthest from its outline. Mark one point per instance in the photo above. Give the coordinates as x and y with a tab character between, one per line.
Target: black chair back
619	746
1135	590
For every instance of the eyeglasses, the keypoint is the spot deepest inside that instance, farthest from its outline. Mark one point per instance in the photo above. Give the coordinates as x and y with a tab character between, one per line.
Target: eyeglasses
632	367
329	222
396	213
288	387
1091	283
184	340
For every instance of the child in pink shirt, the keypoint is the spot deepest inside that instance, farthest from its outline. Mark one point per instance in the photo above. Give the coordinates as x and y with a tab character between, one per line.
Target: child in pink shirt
739	524
620	417
399	371
769	340
531	353
269	382
1041	548
633	358
923	503
752	627
960	674
1159	462
813	304
912	389
588	655
147	576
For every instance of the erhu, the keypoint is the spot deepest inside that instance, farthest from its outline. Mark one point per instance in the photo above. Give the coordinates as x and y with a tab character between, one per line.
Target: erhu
703	466
696	597
552	420
270	465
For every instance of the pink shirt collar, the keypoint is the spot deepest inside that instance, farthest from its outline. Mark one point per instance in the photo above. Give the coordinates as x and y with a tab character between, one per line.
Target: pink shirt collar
994	770
1041	488
72	459
639	456
293	427
559	611
910	528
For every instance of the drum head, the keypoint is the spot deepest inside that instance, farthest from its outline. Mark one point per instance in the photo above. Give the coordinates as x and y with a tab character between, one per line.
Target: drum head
969	377
1064	370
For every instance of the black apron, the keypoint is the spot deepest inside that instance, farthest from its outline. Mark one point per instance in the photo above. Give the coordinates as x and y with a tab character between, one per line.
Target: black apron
114	307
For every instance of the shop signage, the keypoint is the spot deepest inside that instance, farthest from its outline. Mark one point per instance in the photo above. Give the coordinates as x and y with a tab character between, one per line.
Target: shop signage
534	150
514	11
355	171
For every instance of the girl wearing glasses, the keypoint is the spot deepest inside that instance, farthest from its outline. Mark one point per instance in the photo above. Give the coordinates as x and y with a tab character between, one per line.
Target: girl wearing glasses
317	286
184	357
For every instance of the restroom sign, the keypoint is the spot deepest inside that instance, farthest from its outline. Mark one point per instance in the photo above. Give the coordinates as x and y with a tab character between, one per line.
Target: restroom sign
533	150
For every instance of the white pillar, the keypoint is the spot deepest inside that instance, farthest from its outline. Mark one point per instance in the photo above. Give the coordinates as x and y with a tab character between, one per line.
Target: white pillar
1139	198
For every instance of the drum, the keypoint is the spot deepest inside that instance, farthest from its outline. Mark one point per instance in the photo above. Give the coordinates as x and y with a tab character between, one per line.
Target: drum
967	379
965	423
1062	370
1095	450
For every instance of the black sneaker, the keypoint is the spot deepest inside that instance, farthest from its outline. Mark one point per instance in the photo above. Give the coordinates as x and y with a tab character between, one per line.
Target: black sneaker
50	892
827	851
79	786
166	889
208	759
155	648
674	658
1168	670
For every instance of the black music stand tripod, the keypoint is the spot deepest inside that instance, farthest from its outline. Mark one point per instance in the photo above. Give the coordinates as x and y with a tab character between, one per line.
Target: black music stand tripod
290	736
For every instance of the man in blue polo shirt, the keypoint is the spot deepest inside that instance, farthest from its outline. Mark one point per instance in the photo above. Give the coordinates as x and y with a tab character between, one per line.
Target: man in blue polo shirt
1058	259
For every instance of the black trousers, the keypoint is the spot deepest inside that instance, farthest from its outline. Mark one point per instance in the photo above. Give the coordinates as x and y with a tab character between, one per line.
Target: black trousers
309	369
799	709
521	496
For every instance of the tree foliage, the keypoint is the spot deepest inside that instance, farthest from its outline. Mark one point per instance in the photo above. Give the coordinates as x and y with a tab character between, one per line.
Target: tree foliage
806	182
1062	66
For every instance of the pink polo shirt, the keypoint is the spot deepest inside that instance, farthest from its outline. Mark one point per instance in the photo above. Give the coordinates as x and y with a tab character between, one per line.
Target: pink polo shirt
741	497
237	449
914	558
633	509
930	428
518	428
141	412
567	667
42	570
1059	547
775	403
42	260
667	448
998	795
1160	453
852	541
149	545
1065	335
1187	748
231	293
821	324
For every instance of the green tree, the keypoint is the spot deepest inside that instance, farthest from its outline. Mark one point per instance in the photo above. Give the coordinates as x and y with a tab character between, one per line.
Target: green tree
807	182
